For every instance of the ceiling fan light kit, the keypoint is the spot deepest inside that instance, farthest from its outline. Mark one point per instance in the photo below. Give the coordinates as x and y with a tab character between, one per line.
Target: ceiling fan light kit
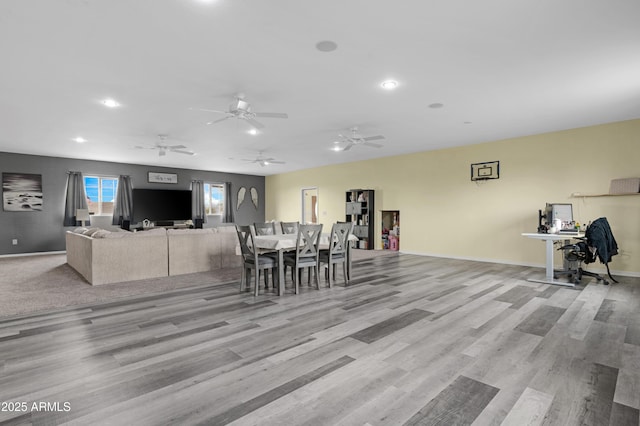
163	148
241	109
263	161
357	139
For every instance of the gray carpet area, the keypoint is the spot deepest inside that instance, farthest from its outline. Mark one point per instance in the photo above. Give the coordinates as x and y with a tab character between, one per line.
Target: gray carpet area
46	282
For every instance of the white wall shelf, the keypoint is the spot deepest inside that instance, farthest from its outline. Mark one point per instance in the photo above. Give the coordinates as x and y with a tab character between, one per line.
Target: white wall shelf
580	195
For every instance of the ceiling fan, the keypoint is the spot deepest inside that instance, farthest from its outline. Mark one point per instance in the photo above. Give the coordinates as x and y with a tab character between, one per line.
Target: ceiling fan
163	148
263	161
241	109
356	139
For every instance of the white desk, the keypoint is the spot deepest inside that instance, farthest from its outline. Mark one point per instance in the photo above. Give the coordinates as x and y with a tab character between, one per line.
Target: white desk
286	242
549	239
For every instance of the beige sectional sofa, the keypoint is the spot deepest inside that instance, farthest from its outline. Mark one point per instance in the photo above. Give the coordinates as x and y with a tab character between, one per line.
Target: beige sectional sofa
103	257
200	250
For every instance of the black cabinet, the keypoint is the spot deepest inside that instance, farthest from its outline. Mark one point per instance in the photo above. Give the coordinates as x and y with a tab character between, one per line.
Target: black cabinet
360	211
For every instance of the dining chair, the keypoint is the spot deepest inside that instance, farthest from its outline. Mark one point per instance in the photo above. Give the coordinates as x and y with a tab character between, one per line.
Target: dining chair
289	227
253	260
337	251
264	228
306	253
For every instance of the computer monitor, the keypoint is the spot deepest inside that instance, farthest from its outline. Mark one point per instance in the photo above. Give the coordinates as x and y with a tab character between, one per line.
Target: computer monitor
564	212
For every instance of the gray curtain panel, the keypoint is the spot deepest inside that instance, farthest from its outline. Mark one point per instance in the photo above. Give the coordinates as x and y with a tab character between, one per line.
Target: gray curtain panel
76	198
228	204
197	201
123	206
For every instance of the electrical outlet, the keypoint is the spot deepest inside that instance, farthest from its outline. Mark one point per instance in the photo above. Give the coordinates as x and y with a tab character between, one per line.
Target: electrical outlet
14	241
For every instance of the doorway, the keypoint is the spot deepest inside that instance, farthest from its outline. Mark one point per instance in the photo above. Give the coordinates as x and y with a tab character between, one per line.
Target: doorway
310	201
390	230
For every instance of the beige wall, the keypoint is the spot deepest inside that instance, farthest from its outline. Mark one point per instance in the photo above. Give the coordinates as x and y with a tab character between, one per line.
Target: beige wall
443	213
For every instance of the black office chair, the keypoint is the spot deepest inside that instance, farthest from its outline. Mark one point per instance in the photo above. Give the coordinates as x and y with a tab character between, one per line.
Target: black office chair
598	243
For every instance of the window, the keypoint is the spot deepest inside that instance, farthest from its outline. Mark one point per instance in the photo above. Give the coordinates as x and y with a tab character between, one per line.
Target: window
214	199
101	194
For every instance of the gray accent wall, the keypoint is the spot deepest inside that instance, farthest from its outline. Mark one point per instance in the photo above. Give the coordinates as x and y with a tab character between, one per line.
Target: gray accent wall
42	231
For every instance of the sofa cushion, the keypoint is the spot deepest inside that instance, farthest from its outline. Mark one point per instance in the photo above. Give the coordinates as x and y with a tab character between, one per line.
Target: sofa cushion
101	233
89	232
191	231
154	232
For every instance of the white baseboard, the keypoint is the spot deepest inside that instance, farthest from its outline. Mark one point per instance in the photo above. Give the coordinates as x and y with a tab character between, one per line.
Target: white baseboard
592	268
38	253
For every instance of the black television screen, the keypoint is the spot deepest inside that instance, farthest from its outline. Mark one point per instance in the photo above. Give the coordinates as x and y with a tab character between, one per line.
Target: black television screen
161	205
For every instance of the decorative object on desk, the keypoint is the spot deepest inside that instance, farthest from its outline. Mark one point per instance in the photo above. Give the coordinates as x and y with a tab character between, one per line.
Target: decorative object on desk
158	177
254	197
241	193
21	192
485	171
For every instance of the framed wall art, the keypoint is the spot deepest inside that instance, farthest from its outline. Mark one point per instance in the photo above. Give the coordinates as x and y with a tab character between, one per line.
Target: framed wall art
157	177
21	192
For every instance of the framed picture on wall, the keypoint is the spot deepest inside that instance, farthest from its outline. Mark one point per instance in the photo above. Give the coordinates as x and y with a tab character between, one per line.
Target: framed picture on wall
21	192
157	177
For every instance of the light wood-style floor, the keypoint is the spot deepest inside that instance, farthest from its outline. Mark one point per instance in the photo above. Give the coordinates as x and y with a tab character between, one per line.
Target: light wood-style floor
413	340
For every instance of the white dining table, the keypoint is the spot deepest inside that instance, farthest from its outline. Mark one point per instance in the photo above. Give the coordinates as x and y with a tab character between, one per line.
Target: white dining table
286	242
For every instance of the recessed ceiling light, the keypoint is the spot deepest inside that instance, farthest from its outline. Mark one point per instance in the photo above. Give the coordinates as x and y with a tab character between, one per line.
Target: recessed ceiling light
111	103
253	132
336	148
326	46
389	84
79	139
436	105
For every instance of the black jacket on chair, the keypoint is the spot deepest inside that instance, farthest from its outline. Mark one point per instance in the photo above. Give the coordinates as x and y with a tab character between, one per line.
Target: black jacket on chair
599	236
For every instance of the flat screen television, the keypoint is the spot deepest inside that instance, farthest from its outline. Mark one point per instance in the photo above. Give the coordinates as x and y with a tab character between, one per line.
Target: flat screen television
161	205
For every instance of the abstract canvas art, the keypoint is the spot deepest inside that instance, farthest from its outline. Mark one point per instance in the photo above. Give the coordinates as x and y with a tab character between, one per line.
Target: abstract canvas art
21	192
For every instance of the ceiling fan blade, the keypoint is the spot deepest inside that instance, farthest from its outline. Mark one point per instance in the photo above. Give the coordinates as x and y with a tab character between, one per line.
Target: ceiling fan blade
172	147
276	162
219	120
348	147
372	145
141	147
373	138
179	151
271	114
208	110
254	123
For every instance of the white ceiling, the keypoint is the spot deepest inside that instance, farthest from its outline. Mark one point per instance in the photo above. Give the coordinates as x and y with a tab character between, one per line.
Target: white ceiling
510	68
